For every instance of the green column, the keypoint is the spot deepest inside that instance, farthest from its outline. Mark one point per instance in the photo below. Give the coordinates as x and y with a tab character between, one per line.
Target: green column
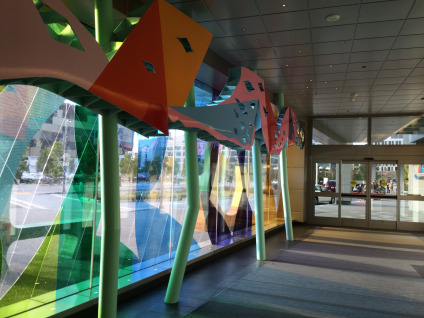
284	181
109	171
259	206
285	194
184	243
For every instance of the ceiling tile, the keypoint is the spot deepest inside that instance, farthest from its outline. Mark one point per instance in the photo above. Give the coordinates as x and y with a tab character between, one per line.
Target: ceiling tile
398	102
336	68
378	29
302	70
221	44
418	72
332	47
261	53
276	72
357	88
195	10
418	10
387	10
401	72
214	28
385	87
335	33
415	80
242	26
412	109
373	44
408	92
354	82
330	85
253	41
331	59
400	54
389	80
293	50
409	41
314	4
348	15
379	96
297	79
330	91
413	26
224	9
369	66
411	86
263	64
330	77
391	65
286	21
403	97
360	75
370	56
272	6
290	37
297	61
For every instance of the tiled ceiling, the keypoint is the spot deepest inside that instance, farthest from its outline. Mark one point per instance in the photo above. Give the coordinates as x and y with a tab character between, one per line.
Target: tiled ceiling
369	62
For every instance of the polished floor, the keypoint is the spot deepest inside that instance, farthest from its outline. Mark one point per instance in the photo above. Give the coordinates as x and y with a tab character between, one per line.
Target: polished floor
325	272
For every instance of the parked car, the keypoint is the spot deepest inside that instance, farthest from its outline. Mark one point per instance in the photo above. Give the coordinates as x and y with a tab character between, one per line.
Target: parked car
143	177
331	185
322	199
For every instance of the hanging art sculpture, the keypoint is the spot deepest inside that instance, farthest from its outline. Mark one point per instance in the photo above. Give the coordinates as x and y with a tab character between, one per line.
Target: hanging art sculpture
141	86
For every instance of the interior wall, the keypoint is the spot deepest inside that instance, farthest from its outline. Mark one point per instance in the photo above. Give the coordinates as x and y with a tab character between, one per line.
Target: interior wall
296	177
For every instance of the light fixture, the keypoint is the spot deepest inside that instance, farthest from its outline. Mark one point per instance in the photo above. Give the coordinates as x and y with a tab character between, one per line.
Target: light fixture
283	5
287	65
243	29
300	51
332	17
331	65
342	42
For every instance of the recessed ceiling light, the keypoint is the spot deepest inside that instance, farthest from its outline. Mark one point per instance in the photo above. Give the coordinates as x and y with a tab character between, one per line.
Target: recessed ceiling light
325	82
300	51
331	65
337	88
332	17
283	5
287	65
307	86
342	42
244	29
310	80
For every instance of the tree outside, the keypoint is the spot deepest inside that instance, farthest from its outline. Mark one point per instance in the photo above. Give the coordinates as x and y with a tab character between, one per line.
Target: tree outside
23	166
50	161
128	164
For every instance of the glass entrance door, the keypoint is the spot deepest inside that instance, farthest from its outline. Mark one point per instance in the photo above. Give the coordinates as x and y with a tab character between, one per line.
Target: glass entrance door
357	193
353	207
383	195
369	194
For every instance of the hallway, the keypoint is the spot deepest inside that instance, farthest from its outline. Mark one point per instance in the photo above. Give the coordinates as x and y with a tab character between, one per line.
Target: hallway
326	272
